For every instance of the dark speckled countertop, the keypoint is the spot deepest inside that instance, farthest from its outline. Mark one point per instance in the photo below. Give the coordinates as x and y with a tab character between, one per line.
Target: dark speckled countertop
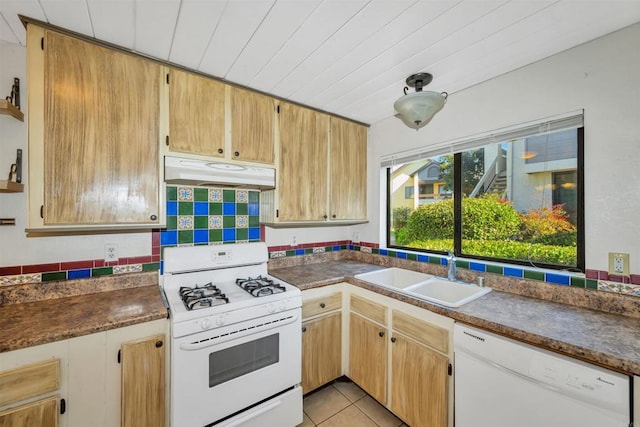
609	340
42	313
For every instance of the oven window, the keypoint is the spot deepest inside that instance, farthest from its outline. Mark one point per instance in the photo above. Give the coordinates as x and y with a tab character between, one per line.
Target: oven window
233	362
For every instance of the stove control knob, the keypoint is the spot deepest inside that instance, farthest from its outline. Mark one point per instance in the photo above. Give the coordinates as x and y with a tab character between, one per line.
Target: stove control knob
206	324
271	308
282	306
221	320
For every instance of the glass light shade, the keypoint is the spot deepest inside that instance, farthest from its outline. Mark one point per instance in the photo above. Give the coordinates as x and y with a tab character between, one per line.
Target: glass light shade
418	108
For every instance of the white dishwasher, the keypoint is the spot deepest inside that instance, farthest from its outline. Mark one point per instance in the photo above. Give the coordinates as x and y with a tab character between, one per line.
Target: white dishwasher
504	383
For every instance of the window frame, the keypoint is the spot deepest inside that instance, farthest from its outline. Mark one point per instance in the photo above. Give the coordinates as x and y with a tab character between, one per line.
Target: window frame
457	202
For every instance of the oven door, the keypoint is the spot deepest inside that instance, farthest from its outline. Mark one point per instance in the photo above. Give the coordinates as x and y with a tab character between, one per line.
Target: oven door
223	371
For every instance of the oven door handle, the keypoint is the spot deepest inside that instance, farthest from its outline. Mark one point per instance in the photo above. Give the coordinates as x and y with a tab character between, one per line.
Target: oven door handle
255	414
236	335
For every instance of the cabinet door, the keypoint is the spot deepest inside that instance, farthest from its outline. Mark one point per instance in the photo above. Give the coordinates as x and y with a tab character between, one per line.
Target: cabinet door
368	356
101	135
418	383
321	351
143	393
252	126
196	114
348	170
303	164
43	413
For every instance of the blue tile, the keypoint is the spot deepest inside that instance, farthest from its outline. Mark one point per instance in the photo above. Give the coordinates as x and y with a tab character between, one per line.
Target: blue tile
383	252
228	208
254	209
402	255
336	248
254	233
558	279
201	208
79	274
201	236
299	251
444	261
161	267
423	258
229	235
172	208
513	272
352	247
478	266
169	237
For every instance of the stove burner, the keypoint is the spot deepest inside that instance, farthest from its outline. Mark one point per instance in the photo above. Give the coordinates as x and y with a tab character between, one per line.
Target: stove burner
202	297
260	286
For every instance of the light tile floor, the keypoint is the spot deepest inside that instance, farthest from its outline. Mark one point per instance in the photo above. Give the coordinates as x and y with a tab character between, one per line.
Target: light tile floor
344	404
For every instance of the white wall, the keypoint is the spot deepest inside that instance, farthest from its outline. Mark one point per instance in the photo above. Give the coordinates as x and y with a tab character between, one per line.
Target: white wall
600	77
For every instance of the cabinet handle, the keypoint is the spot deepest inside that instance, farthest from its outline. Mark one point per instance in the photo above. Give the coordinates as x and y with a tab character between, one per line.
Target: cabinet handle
304	329
322	305
220	151
393	339
153	217
158	344
42	211
63	406
333	216
236	153
381	334
325	217
166	140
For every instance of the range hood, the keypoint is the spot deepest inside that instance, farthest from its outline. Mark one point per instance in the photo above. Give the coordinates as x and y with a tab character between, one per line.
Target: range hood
210	173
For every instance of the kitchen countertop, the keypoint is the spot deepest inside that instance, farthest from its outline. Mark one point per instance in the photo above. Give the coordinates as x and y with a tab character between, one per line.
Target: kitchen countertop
605	339
42	313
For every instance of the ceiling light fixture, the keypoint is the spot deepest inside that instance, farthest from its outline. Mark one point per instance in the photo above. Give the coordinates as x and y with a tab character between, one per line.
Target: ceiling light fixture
418	108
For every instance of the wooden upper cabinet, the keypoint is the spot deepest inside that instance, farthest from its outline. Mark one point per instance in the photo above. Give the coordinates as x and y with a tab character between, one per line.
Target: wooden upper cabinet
101	133
348	173
302	178
252	126
196	114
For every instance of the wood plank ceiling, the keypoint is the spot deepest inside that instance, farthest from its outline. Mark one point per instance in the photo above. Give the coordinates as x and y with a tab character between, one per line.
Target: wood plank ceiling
348	57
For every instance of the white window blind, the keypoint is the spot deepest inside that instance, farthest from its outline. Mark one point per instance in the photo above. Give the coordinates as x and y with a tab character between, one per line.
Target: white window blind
566	121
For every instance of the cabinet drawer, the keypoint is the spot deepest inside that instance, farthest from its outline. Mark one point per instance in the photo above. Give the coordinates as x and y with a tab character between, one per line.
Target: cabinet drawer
421	331
369	309
29	381
325	304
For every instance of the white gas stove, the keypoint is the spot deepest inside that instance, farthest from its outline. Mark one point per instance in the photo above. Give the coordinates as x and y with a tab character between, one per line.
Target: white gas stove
236	338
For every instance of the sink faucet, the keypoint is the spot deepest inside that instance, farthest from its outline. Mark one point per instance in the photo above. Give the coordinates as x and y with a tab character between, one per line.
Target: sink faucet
451	266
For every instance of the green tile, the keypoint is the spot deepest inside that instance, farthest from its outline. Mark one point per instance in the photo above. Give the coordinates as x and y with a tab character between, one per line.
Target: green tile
344	247
58	275
201	222
434	260
172	222
172	193
185	208
375	251
215	235
229	195
201	194
462	264
392	254
534	275
254	221
185	236
578	282
242	234
496	269
102	271
412	257
242	208
229	221
592	284
254	197
151	266
215	208
291	253
328	248
308	250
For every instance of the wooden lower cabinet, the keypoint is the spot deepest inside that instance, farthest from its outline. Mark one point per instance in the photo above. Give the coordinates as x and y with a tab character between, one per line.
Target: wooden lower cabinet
321	351
143	385
419	383
368	356
43	413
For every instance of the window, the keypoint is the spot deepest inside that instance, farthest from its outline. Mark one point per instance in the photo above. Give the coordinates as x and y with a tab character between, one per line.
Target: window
408	192
517	201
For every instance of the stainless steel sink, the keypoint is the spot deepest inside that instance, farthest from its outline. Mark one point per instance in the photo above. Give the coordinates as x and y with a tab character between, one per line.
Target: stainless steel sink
425	286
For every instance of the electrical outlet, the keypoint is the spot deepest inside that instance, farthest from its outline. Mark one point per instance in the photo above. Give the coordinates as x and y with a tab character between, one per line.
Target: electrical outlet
294	241
619	263
356	237
111	252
